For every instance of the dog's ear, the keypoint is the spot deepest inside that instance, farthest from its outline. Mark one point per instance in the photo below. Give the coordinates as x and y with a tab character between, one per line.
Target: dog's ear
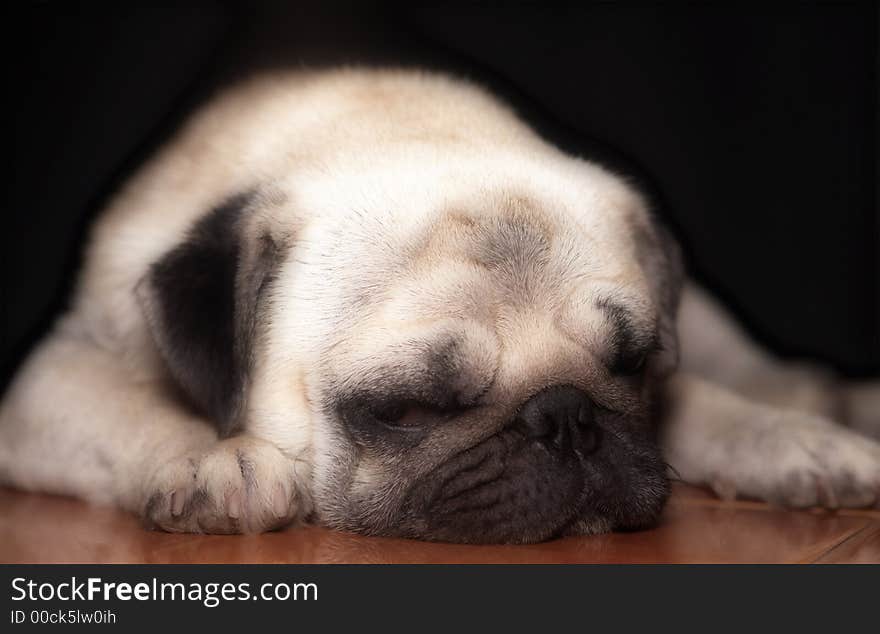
660	257
201	301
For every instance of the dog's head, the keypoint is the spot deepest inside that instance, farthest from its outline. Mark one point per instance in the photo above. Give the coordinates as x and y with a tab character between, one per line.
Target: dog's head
457	348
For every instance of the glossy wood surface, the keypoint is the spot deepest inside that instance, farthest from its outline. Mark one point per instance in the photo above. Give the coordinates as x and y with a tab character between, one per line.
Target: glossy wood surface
696	527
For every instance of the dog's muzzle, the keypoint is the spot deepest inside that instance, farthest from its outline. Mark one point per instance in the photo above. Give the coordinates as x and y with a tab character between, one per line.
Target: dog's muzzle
554	470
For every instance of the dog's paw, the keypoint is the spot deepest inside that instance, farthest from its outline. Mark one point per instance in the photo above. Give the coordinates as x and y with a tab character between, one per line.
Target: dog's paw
797	460
239	485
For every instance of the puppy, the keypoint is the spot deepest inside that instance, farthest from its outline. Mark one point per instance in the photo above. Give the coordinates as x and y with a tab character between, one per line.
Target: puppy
377	301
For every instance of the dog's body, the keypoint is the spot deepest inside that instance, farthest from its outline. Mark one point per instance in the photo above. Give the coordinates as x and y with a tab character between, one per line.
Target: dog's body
377	300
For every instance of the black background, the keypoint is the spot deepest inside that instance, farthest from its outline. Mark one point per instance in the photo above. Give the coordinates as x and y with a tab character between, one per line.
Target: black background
757	121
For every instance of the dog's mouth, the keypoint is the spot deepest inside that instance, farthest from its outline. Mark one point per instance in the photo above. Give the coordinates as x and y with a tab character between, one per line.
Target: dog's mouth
514	489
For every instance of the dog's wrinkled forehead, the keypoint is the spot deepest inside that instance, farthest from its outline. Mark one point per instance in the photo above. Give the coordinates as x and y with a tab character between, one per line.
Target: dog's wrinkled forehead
482	260
514	276
503	271
519	249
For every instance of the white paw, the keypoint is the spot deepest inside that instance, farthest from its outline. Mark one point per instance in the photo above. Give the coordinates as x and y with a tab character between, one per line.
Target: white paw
239	485
797	460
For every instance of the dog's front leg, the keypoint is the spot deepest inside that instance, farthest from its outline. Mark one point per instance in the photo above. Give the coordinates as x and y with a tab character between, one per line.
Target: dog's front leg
77	421
712	436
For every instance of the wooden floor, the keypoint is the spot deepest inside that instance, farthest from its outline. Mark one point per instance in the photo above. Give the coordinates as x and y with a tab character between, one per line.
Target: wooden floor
695	528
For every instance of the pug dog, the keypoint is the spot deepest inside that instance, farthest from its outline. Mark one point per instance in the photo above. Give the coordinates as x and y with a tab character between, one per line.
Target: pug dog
377	301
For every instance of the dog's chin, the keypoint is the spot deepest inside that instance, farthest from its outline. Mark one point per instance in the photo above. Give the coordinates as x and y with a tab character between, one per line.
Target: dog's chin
511	490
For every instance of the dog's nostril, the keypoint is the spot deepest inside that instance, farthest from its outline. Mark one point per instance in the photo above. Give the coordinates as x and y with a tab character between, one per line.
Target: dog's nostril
585	415
589	439
559	415
546	426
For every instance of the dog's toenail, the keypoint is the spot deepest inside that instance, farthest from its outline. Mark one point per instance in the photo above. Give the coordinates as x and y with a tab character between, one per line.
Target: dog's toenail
233	505
176	503
279	502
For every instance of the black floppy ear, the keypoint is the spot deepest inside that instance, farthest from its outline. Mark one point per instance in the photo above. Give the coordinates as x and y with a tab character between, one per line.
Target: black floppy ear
201	300
661	258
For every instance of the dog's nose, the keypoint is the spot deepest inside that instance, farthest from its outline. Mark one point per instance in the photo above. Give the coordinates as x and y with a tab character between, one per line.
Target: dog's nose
561	416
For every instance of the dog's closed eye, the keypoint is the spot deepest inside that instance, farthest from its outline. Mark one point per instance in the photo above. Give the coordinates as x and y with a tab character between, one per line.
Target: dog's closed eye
408	414
631	360
629	363
631	343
